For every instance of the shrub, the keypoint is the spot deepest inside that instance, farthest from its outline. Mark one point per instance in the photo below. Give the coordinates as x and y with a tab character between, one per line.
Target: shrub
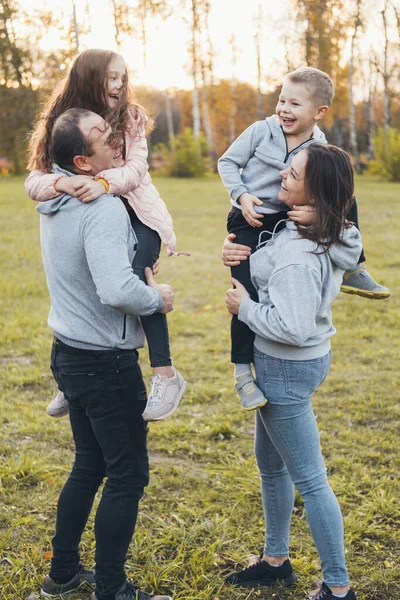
187	156
387	155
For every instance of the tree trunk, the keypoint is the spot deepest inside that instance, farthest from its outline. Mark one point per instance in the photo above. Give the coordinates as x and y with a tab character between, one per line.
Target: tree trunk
352	116
169	117
76	27
195	93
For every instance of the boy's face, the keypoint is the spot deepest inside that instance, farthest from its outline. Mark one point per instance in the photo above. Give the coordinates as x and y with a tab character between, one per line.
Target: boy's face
296	109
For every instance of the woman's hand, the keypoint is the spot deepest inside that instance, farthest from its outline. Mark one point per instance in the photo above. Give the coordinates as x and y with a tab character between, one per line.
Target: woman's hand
234	298
305	214
247	202
233	254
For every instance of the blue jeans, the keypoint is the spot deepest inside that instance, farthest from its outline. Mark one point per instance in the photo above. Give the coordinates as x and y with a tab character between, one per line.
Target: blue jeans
288	453
155	326
106	397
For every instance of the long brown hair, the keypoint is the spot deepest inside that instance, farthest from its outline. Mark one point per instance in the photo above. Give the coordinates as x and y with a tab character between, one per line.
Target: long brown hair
85	86
329	183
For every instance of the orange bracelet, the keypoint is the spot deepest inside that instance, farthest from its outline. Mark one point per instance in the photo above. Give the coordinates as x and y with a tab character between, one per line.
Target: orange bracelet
104	182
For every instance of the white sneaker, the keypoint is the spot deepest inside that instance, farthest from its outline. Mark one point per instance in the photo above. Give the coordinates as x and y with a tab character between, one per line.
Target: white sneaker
58	407
165	395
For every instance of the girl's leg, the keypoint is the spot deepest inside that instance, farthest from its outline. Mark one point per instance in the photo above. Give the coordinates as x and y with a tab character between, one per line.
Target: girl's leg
155	326
291	425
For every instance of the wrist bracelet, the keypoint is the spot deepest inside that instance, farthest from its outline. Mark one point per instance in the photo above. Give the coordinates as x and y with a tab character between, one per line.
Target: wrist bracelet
104	182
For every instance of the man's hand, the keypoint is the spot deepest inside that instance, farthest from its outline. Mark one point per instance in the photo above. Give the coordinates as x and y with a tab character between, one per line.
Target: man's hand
233	254
305	215
164	290
247	202
234	298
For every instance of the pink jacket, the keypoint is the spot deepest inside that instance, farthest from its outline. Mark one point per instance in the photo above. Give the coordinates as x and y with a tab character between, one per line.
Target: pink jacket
132	181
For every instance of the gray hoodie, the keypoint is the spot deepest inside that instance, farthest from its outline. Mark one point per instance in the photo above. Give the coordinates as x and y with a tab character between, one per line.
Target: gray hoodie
252	163
87	252
296	287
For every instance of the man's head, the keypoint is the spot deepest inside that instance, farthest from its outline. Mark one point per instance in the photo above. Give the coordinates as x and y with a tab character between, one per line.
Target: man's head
80	142
305	97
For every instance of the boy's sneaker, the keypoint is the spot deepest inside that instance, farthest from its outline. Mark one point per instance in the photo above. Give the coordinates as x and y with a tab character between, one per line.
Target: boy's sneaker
325	593
250	396
58	407
130	592
359	281
51	589
165	395
261	573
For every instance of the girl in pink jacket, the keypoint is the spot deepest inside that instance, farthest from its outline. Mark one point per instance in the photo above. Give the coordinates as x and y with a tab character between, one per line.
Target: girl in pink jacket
98	81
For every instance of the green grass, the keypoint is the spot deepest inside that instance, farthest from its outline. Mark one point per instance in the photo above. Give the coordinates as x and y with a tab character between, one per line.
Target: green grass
202	513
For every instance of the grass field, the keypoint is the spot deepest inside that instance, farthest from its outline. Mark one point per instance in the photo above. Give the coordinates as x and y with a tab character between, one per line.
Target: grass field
201	514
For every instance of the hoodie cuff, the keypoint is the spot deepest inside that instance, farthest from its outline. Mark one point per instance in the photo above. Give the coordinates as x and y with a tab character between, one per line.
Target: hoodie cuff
238	192
245	308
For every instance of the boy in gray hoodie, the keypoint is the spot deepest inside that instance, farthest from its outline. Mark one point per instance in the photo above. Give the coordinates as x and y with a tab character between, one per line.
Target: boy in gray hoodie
250	170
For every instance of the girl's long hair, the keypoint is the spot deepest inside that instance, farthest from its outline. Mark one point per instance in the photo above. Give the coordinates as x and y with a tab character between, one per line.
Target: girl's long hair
329	183
85	86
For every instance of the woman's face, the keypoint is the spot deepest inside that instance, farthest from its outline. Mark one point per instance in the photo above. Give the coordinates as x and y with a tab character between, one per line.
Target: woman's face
292	190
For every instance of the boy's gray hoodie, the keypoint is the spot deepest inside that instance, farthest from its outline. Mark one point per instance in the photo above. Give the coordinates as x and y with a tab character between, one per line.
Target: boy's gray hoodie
87	252
296	287
252	163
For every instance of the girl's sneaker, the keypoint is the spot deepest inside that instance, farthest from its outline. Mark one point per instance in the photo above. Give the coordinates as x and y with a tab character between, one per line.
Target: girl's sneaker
51	589
325	593
165	395
58	407
359	281
259	572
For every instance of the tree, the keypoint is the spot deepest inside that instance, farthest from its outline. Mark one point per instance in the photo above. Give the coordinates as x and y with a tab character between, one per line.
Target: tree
258	22
352	120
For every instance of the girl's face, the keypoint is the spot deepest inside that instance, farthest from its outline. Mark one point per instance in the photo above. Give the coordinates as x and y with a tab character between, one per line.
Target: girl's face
115	81
292	190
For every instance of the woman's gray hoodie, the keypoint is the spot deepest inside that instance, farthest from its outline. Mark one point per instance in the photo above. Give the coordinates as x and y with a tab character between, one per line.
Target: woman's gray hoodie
296	287
252	163
87	252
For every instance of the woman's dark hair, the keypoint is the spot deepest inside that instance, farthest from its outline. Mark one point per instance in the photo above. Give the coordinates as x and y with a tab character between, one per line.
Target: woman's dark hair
329	183
85	86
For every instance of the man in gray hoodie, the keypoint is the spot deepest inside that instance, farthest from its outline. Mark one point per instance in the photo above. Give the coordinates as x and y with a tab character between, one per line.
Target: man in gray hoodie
96	302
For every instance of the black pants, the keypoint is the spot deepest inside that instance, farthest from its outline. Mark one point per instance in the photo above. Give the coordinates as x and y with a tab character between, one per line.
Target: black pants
242	338
106	397
155	326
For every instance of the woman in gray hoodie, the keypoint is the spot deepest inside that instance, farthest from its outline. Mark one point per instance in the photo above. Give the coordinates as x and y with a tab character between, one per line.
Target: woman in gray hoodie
297	275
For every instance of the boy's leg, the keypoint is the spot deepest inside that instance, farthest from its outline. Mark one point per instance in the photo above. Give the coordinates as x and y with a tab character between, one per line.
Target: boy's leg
167	384
242	338
358	281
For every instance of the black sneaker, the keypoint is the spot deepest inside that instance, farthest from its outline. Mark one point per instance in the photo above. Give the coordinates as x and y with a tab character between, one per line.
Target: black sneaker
325	593
128	591
261	573
51	589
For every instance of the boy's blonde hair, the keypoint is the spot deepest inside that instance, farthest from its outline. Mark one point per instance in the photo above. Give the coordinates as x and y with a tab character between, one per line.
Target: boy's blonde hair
318	82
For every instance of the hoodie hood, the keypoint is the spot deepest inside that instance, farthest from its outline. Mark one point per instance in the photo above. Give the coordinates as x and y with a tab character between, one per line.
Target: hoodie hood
345	254
52	206
277	132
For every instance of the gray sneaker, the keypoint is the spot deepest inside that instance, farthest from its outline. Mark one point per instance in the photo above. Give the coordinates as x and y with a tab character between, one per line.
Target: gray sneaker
250	396
130	592
165	395
51	589
359	281
58	407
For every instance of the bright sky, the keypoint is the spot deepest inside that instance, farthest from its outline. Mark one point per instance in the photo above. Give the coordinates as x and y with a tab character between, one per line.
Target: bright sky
168	41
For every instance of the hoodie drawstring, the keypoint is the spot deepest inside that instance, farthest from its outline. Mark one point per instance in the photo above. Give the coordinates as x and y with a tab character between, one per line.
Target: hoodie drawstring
272	234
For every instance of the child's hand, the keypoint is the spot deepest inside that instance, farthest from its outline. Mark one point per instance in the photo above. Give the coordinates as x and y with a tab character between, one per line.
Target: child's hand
234	298
305	215
68	184
89	190
233	254
247	202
